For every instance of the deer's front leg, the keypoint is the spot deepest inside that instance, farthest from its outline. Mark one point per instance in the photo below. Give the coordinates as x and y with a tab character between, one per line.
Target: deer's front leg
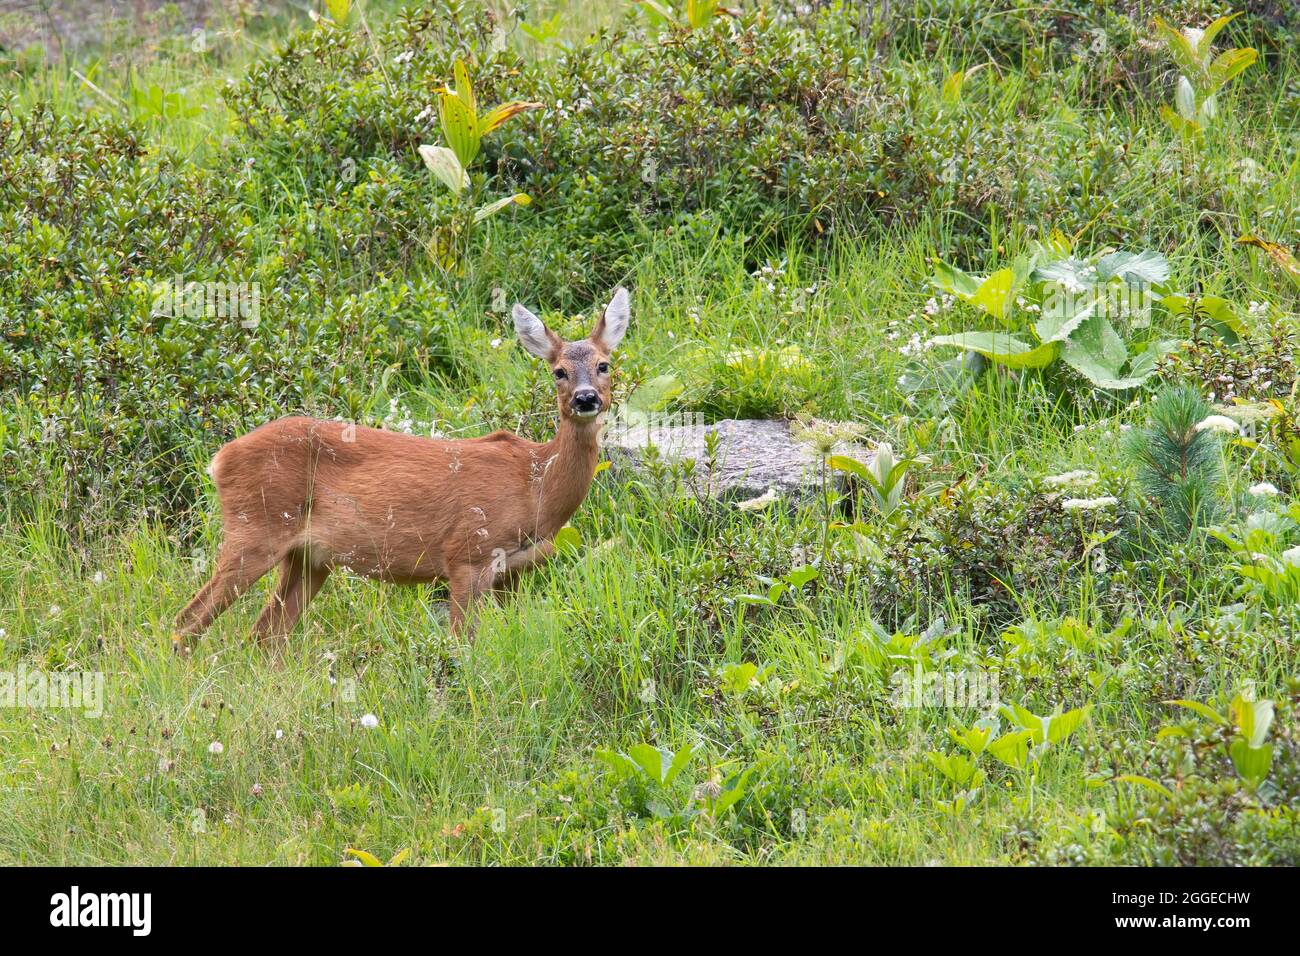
467	584
507	577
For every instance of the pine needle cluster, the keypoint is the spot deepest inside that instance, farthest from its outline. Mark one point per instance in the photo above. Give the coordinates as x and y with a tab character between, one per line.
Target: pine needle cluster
1179	465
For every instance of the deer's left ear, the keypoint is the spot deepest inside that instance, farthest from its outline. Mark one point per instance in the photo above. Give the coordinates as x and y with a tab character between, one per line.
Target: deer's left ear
612	326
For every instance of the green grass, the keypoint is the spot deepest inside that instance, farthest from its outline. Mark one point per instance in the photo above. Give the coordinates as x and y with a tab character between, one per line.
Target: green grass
486	753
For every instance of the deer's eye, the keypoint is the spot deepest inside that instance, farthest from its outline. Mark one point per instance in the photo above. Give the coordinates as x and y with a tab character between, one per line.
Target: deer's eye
560	375
602	368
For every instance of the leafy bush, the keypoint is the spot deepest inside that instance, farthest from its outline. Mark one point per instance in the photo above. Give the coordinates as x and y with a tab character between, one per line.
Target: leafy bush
985	544
110	378
780	128
1224	789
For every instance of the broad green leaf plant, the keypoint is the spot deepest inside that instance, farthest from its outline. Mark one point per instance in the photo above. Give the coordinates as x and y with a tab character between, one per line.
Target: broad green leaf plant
1202	74
1021	748
1054	304
885	476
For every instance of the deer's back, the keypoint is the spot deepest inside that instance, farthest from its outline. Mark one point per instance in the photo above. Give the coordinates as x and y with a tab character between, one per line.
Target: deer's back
382	502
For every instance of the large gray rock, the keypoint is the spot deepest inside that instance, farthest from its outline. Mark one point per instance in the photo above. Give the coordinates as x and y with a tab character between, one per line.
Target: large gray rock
753	455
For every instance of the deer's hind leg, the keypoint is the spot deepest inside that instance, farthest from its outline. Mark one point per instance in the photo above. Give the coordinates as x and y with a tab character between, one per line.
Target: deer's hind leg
236	571
300	580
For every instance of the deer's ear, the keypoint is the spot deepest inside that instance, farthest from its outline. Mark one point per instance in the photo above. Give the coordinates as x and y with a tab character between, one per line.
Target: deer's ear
611	328
533	333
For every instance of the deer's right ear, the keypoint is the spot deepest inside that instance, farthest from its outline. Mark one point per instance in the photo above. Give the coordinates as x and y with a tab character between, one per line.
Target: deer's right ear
533	333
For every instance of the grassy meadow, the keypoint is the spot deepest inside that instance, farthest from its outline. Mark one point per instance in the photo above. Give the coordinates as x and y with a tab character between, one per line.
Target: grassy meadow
1061	631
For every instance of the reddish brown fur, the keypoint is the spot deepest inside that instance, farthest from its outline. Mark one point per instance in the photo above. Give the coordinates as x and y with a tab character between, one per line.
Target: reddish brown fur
308	496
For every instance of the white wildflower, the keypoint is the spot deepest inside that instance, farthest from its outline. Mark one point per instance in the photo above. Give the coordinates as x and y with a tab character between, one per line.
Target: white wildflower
1089	504
216	747
1218	423
369	721
915	345
1080	479
1263	489
759	503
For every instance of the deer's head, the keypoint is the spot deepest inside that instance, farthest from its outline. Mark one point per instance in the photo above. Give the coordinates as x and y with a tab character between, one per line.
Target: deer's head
581	368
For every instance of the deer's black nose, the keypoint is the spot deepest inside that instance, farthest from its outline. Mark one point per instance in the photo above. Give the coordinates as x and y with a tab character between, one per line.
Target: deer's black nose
586	400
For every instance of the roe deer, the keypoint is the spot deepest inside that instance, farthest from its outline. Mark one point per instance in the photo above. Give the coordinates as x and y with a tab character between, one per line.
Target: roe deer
308	495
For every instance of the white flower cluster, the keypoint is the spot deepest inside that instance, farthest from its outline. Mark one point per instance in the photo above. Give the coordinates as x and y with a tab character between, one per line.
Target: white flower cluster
1071	479
934	306
1075	285
794	300
759	503
1089	504
914	346
1218	423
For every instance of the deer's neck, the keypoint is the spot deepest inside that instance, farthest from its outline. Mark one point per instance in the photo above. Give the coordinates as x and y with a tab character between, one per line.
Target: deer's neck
569	465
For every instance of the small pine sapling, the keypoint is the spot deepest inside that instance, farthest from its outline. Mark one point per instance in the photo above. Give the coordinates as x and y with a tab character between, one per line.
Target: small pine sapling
1179	459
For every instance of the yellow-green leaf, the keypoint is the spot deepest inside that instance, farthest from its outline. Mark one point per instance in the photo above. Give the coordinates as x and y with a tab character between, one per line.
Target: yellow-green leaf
1012	749
994	294
464	88
460	127
1252	763
492	208
1229	64
851	465
339	10
1210	32
1205	711
1002	348
1279	253
498	115
567	539
700	12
